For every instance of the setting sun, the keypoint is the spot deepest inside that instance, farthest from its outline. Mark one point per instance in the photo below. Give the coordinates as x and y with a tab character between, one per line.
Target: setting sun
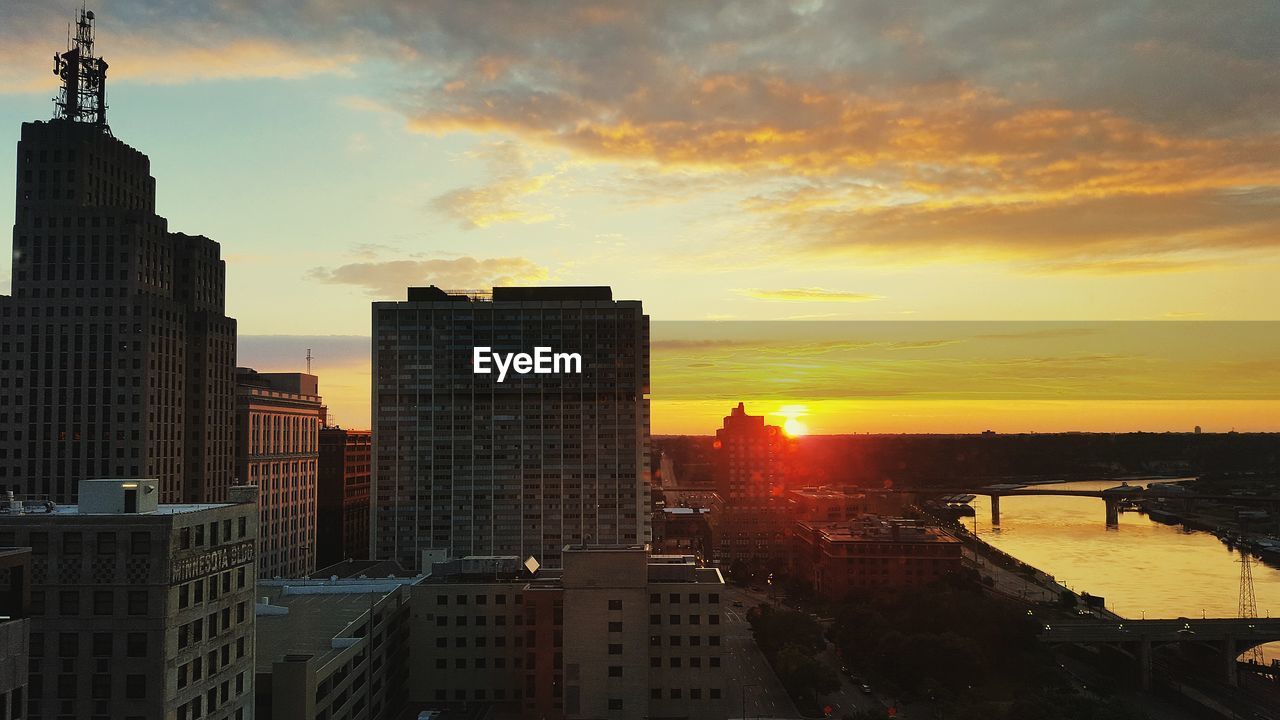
794	427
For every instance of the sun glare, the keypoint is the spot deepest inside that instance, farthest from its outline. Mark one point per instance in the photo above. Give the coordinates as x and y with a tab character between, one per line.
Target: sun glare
794	427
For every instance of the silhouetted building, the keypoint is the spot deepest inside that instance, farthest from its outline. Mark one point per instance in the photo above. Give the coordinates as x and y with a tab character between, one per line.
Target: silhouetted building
748	459
277	449
332	649
521	464
116	355
616	633
15	629
871	552
139	609
342	497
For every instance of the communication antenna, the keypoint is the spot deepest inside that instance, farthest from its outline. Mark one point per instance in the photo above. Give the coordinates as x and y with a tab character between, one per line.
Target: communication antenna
83	95
309	359
1248	602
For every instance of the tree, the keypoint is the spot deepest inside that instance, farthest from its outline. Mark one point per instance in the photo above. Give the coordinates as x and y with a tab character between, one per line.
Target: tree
802	675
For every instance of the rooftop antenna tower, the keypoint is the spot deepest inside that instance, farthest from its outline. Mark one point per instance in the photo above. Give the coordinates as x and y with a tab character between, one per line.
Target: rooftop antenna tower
1248	602
309	359
83	95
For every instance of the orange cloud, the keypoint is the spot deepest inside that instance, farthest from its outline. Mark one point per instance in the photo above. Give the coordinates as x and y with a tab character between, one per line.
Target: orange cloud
388	279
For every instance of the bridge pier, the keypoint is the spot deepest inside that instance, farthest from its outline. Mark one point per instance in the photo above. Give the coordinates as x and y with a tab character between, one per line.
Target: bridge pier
1144	664
1229	653
995	509
1113	511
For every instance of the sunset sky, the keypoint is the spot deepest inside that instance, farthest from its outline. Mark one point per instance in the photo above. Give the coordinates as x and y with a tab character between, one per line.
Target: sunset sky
1000	160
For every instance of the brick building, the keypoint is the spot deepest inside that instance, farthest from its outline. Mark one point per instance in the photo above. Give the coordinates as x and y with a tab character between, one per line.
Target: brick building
342	495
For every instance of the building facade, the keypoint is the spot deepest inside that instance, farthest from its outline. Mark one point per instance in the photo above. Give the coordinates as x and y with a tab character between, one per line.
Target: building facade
615	633
748	459
342	496
116	355
871	552
277	449
139	610
471	464
15	631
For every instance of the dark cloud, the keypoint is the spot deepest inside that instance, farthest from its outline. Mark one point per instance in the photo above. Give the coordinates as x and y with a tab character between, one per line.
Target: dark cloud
1071	134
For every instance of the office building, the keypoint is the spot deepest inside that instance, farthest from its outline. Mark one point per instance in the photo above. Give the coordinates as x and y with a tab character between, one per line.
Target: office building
615	633
277	449
871	552
519	464
319	659
116	355
748	459
342	497
15	630
139	610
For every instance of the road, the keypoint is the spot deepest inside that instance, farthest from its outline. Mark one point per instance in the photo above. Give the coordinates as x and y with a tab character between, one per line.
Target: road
751	681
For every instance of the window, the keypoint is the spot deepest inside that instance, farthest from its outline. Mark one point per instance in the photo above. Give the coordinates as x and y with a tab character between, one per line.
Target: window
106	543
139	543
135	687
615	703
72	543
68	645
136	645
137	602
69	602
615	626
103	602
615	648
102	645
674	598
615	605
655	597
101	686
615	671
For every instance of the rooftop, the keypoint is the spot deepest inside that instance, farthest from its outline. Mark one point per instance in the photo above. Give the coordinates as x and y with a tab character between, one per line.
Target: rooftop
39	509
895	530
311	621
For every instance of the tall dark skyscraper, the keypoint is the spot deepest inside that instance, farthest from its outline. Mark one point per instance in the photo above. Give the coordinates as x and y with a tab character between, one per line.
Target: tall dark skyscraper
116	356
478	464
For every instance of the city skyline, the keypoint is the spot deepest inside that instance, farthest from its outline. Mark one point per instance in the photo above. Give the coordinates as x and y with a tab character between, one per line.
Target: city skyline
901	173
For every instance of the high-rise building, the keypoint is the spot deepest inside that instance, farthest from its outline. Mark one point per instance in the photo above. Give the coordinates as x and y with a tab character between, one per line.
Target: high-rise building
116	355
521	462
615	633
277	449
342	498
748	459
138	609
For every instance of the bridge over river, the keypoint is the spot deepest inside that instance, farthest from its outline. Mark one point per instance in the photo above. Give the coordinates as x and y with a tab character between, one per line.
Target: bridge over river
1137	638
1111	497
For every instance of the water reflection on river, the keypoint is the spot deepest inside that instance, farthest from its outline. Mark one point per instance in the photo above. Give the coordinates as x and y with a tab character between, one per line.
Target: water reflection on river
1140	567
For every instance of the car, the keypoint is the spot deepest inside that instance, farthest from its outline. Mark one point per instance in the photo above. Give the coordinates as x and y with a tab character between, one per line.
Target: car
737	603
866	689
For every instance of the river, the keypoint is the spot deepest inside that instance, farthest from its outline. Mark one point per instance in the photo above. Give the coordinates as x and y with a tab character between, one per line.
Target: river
1142	567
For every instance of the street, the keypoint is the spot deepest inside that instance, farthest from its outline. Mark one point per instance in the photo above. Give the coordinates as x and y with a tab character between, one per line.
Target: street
750	680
